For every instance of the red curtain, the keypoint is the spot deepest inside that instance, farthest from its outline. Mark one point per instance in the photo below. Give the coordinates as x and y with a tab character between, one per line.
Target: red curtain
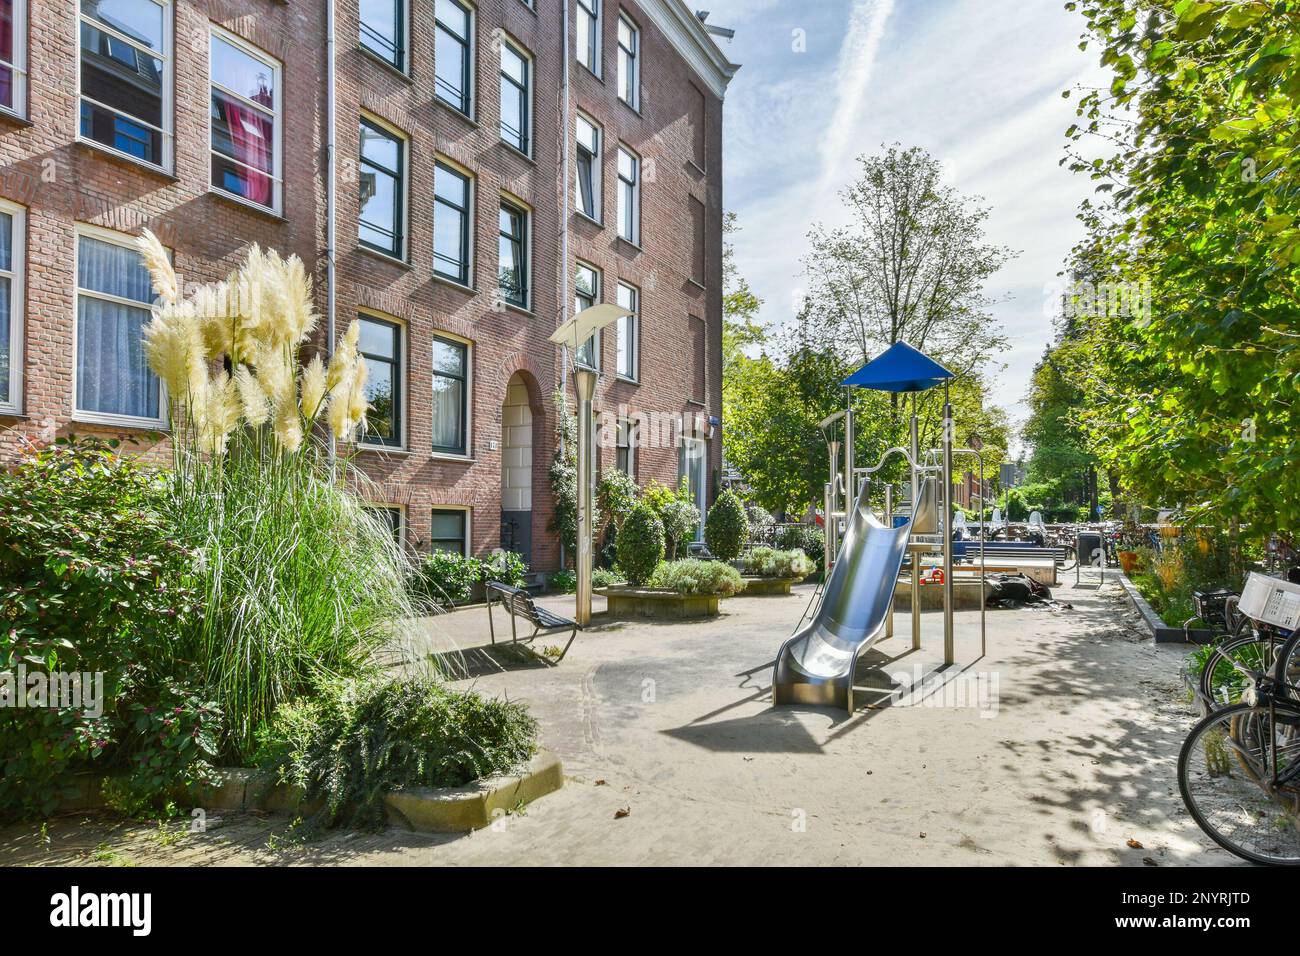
251	134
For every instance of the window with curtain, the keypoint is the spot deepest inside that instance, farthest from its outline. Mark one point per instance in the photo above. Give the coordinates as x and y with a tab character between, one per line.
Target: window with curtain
588	185
515	97
245	111
450	411
626	331
451	224
383	30
512	246
125	75
629	66
13	55
448	532
381	346
452	54
629	196
588	32
383	164
114	294
12	254
586	293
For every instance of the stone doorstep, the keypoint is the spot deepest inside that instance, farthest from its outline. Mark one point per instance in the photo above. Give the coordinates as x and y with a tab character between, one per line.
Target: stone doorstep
426	810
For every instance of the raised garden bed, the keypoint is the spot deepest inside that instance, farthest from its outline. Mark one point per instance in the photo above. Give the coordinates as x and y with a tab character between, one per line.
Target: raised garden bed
760	586
628	602
1152	622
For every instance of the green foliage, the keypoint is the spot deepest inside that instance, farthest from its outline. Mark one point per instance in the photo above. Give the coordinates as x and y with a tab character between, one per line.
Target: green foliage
771	563
692	576
616	493
676	509
351	746
807	538
727	527
94	582
566	582
1189	398
641	544
446	577
1060	456
504	567
564	479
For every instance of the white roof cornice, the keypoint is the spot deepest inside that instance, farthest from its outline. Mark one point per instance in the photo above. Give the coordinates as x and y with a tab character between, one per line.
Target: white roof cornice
687	35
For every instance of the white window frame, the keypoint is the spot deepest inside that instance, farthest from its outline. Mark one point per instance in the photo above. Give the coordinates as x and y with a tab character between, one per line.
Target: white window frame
634	333
635	238
469	525
167	55
631	432
403	254
594	10
598	296
471	55
403	372
17	298
530	84
277	139
634	62
597	215
103	418
18	66
469	399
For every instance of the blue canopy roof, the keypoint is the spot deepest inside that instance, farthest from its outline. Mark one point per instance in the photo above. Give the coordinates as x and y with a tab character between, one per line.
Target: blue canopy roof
900	368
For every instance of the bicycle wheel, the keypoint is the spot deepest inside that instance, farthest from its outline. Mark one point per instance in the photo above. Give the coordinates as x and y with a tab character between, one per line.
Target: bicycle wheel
1226	670
1286	671
1225	774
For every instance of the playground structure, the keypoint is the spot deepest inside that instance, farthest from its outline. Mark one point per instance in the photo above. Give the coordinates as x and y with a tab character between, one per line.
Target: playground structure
817	664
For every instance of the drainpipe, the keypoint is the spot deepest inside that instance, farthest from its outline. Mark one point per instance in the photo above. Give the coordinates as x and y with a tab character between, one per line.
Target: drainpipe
331	165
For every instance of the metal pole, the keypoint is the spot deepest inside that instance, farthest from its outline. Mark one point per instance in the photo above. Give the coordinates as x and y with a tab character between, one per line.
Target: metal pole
850	495
949	652
983	637
832	523
916	555
828	502
584	380
889	523
331	217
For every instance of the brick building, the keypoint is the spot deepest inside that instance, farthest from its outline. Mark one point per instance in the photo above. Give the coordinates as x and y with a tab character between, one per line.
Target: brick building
206	121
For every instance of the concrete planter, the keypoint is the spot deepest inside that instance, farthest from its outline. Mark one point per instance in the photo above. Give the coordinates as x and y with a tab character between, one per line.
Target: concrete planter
760	587
1151	621
630	602
445	810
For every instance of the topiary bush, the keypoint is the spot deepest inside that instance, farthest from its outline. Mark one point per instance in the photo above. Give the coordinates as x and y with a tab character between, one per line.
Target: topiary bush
692	576
640	545
352	745
727	527
676	509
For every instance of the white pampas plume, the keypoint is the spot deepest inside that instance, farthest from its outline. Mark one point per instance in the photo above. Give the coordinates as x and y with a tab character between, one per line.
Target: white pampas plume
313	387
160	268
358	401
257	411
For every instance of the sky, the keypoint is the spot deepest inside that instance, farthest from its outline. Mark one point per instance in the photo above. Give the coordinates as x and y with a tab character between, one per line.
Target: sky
977	83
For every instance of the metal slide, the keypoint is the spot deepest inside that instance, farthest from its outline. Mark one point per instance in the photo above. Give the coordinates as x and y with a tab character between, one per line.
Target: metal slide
816	665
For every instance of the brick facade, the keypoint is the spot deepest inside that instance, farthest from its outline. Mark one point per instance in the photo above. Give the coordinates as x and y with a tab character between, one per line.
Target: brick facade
64	183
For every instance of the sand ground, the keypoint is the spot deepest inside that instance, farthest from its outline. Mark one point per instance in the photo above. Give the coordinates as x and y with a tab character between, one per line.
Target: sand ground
1057	747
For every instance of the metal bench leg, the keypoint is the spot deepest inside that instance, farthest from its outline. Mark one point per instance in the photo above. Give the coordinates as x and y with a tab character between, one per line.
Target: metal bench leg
572	635
491	626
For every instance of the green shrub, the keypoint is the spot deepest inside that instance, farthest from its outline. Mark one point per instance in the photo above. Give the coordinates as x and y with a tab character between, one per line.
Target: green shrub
604	578
94	581
770	563
640	545
727	527
692	576
563	582
350	747
676	509
807	538
504	567
616	494
446	577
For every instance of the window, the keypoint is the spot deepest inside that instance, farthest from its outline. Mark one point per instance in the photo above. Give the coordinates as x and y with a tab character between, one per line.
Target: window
383	190
245	122
589	34
391	517
450	410
126	77
698	217
512	271
453	48
700	357
625	447
114	294
586	293
449	531
451	224
699	133
627	331
383	30
13	56
588	191
629	63
516	97
13	257
629	196
381	346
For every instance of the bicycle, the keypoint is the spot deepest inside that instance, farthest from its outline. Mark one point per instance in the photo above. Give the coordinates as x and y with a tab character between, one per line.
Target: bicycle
1239	768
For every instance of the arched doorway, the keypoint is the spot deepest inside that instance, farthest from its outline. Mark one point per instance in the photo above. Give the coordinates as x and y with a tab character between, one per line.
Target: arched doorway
517	469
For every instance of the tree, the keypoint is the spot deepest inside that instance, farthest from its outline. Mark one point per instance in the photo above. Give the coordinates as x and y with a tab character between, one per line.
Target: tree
910	267
1054	431
727	527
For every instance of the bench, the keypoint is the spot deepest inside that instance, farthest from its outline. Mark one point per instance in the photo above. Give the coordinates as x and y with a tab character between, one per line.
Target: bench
519	604
1005	550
